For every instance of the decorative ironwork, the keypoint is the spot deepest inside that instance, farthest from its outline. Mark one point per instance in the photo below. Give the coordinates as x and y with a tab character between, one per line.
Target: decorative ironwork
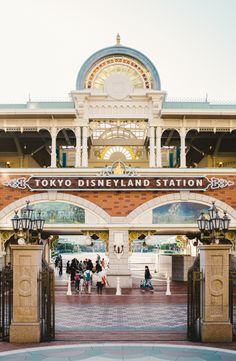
139	75
193	311
6	303
213	228
20	183
27	223
216	183
232	300
47	303
118	168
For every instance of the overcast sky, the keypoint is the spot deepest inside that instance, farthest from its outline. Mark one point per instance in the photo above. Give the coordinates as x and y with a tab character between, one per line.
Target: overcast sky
45	42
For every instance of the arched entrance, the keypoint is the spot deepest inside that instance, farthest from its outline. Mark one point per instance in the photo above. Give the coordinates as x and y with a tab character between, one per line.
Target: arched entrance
65	148
171	225
64	213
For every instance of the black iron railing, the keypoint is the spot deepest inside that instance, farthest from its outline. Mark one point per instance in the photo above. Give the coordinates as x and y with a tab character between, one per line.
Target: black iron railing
6	303
47	303
194	306
232	300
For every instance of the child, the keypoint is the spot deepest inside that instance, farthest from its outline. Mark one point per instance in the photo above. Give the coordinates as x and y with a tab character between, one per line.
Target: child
77	282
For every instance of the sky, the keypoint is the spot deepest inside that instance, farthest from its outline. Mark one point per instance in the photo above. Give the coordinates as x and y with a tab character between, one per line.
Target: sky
45	42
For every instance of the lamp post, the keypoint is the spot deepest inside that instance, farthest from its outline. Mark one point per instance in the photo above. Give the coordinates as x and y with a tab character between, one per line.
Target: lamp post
212	225
27	223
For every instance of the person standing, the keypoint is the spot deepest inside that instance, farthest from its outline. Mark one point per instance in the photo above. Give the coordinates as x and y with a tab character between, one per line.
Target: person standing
147	279
77	282
68	267
99	284
147	274
73	269
90	265
88	280
60	267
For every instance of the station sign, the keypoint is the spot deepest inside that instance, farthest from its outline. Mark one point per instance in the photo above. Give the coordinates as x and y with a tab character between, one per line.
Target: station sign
118	183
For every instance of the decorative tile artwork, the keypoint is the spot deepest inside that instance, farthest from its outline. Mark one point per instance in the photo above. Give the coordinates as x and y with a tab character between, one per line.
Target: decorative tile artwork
178	213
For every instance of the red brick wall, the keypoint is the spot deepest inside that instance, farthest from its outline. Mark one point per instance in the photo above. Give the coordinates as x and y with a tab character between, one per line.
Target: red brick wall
120	203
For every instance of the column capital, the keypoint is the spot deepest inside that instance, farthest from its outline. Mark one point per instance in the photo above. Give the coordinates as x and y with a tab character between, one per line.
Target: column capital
182	132
53	131
82	123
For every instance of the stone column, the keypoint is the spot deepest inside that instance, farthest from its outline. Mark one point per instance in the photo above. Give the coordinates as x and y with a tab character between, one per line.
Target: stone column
182	149
215	323
53	148
152	147
85	147
158	148
118	264
26	262
78	147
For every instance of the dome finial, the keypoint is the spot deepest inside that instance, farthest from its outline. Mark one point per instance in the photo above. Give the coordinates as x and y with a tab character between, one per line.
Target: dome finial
118	39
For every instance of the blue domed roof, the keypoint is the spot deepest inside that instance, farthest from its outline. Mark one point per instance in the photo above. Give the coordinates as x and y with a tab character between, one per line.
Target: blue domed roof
117	50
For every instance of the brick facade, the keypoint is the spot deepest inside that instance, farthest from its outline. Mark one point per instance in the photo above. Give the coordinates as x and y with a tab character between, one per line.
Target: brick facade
119	203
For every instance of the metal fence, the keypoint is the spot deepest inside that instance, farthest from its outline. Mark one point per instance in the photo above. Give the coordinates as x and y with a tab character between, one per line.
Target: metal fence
6	303
232	300
193	309
47	303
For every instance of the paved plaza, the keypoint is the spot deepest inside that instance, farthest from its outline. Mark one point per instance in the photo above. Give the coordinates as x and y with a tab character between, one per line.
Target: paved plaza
132	316
122	322
92	327
120	317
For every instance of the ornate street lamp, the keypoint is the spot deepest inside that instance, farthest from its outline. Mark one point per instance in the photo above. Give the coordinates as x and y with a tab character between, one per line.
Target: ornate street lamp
27	222
213	226
201	222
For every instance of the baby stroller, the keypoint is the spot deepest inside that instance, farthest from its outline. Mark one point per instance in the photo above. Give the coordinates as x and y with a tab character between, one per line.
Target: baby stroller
146	285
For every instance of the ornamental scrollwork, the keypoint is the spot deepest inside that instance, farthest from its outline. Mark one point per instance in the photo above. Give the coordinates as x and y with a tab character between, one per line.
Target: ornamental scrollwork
118	168
216	183
20	183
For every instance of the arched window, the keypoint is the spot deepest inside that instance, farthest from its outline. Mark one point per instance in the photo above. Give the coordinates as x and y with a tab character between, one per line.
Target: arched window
117	152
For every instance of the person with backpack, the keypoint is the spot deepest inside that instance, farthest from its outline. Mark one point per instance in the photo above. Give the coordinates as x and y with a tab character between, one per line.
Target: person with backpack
88	280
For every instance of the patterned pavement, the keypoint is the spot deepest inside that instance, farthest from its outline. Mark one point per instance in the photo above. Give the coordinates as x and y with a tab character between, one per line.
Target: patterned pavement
120	352
106	317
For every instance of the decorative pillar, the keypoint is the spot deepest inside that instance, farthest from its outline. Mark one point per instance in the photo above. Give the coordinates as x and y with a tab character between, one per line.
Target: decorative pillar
26	263
85	147
215	323
78	147
53	148
158	148
152	147
118	259
182	148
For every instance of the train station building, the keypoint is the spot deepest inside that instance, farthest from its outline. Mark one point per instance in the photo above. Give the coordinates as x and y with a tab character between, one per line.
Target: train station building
119	163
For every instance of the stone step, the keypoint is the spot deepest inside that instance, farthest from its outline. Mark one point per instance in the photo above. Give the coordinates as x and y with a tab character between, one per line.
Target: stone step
130	335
